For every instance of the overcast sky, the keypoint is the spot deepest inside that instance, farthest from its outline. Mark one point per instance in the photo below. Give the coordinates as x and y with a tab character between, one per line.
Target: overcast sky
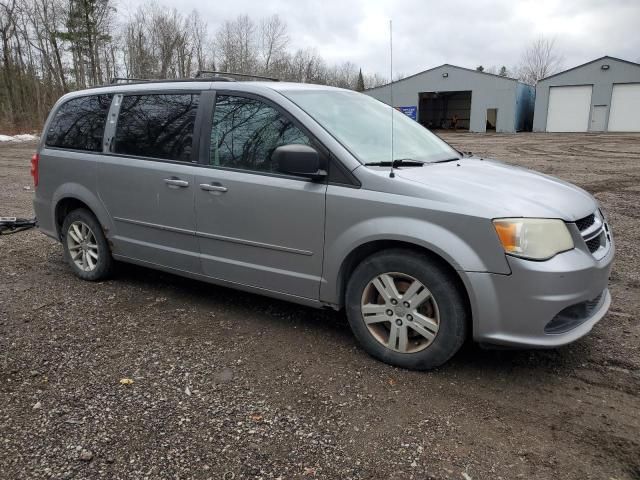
428	33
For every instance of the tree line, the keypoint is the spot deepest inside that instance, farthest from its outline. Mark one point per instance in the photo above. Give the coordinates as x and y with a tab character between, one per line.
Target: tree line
50	47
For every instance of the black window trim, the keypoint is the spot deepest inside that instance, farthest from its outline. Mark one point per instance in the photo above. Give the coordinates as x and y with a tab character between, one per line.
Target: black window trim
194	138
52	116
173	91
204	123
207	125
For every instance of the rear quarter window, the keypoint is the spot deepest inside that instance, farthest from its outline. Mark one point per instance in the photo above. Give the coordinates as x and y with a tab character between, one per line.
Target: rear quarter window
157	126
79	123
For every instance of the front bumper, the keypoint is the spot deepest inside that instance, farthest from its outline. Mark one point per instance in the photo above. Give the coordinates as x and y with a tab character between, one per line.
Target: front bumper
513	310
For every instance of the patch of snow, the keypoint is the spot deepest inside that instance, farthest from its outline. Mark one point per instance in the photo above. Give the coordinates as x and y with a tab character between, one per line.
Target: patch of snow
23	137
26	137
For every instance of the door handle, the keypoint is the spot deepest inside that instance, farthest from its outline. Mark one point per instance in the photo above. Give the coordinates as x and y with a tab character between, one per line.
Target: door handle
176	182
213	188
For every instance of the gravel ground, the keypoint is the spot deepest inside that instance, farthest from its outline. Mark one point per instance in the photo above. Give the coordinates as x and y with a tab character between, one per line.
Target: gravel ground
228	385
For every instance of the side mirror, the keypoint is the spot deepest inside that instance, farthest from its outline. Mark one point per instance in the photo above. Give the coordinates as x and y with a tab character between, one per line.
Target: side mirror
300	160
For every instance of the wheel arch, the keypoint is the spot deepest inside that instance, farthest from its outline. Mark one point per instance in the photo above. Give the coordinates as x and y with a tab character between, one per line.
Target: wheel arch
365	250
64	207
69	197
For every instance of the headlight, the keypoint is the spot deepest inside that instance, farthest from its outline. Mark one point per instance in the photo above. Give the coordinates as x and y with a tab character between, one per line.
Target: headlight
533	238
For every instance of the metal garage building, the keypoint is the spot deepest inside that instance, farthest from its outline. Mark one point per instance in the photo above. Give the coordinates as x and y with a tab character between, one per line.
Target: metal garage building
602	95
479	101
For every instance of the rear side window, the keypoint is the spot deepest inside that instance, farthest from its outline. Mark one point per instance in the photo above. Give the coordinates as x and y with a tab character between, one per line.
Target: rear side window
157	125
246	132
79	123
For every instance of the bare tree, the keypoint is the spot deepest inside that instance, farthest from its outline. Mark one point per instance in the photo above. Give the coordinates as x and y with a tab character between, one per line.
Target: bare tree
161	43
344	75
236	45
167	36
306	66
539	60
49	47
198	29
139	59
273	41
7	33
375	80
244	32
47	18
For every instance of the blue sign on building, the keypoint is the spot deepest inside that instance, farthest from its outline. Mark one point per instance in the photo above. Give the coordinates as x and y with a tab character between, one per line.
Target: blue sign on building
411	111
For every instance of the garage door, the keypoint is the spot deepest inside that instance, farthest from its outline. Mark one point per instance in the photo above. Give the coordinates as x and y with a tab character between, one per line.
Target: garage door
624	115
569	109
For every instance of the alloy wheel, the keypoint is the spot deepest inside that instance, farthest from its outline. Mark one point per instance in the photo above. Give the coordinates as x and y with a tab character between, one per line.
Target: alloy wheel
400	312
82	245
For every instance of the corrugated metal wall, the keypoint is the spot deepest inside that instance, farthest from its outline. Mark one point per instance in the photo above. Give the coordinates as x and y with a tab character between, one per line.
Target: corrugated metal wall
512	99
592	73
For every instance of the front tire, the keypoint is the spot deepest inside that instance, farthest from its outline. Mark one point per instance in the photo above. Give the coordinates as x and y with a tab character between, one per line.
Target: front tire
406	309
85	247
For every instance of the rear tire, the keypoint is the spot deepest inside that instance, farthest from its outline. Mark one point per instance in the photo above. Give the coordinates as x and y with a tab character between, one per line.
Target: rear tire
406	309
85	247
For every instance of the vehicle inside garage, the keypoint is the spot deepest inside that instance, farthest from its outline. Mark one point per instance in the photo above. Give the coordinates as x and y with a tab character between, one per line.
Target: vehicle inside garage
445	110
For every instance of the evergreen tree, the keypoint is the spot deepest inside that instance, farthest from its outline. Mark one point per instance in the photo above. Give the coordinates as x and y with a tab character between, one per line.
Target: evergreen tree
87	33
360	85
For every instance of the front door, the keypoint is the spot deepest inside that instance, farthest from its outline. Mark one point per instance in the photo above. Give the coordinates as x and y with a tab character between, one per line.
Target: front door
598	117
147	181
255	226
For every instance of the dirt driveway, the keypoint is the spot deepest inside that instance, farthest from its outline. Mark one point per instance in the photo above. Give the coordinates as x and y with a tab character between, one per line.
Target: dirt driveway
229	385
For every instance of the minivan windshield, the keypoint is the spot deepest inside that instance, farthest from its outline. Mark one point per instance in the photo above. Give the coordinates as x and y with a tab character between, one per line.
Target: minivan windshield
363	125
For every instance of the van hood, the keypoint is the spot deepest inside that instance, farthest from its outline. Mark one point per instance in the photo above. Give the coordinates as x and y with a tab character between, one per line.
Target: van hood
506	190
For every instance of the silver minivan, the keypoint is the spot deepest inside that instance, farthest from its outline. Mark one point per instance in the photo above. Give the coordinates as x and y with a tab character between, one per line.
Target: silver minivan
327	198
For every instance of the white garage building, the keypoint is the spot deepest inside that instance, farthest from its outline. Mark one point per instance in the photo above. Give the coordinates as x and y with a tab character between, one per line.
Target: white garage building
599	96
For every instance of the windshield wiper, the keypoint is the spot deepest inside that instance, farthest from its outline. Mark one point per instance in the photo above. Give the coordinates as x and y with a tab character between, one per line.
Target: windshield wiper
401	162
464	154
447	160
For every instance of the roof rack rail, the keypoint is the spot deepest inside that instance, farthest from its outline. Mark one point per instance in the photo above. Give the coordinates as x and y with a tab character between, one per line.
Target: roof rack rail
221	75
116	80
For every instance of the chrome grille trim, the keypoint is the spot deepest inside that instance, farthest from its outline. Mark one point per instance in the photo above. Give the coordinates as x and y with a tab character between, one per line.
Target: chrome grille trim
595	234
594	229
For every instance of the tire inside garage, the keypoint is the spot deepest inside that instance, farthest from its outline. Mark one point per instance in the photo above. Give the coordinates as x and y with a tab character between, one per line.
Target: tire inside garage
624	115
569	109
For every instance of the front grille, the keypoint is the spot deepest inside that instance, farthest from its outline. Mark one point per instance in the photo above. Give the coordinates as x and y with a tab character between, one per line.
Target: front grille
585	222
595	243
572	316
594	233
